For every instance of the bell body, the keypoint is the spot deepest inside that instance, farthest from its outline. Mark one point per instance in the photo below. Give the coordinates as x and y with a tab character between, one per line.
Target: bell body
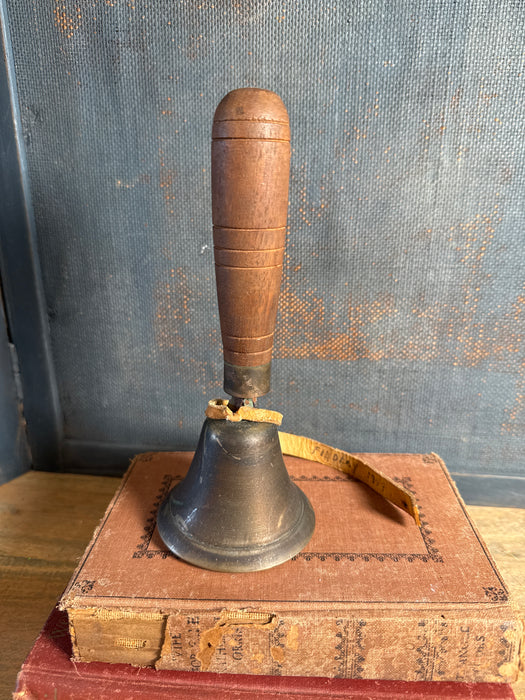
237	508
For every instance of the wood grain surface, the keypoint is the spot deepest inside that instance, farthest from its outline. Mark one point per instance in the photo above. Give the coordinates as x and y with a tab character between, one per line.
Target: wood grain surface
46	521
250	173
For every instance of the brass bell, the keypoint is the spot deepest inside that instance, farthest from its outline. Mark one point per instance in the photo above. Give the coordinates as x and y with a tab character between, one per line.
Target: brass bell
237	509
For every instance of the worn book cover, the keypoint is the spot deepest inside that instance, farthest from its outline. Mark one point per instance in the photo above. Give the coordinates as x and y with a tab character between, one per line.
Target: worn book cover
48	672
372	596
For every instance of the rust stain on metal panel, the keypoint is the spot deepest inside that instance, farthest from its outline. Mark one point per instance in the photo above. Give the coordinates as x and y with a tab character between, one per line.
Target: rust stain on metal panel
167	180
142	179
197	46
309	329
455	100
459	332
68	17
172	298
176	295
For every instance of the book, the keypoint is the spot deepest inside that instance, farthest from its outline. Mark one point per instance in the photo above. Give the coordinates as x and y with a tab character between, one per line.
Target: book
371	596
48	672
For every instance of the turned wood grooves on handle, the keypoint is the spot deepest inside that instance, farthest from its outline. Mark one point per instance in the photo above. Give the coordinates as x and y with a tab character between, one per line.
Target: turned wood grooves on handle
250	172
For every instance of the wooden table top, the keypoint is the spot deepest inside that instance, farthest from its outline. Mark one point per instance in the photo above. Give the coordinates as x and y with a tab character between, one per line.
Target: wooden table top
47	519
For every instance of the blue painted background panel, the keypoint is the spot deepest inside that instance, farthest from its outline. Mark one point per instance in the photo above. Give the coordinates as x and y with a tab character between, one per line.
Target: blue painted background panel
14	455
401	315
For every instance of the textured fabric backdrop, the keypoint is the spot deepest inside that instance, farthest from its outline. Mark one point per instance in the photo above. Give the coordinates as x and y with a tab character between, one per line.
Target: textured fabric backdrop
401	315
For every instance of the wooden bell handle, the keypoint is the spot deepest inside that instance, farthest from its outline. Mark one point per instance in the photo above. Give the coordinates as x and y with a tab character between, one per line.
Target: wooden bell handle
250	173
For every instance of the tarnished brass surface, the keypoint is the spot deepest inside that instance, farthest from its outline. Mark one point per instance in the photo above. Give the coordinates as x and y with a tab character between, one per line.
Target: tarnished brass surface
237	509
247	382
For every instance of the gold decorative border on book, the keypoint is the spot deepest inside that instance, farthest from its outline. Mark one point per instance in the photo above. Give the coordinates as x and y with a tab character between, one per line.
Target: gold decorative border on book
349	664
84	586
496	595
141	550
433	554
277	645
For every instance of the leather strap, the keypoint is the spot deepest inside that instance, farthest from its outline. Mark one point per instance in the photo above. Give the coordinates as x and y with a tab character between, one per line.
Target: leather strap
306	448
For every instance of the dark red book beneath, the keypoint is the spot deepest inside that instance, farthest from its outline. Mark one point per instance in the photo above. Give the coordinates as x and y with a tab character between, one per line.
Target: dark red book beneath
48	672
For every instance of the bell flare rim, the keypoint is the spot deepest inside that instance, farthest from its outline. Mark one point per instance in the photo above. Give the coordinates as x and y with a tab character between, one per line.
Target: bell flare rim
249	558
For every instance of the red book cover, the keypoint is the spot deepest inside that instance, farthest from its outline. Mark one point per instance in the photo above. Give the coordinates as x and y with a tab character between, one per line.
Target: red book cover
48	672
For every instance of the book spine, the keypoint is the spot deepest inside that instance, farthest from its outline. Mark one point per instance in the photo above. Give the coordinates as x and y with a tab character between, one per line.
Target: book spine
378	647
116	636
